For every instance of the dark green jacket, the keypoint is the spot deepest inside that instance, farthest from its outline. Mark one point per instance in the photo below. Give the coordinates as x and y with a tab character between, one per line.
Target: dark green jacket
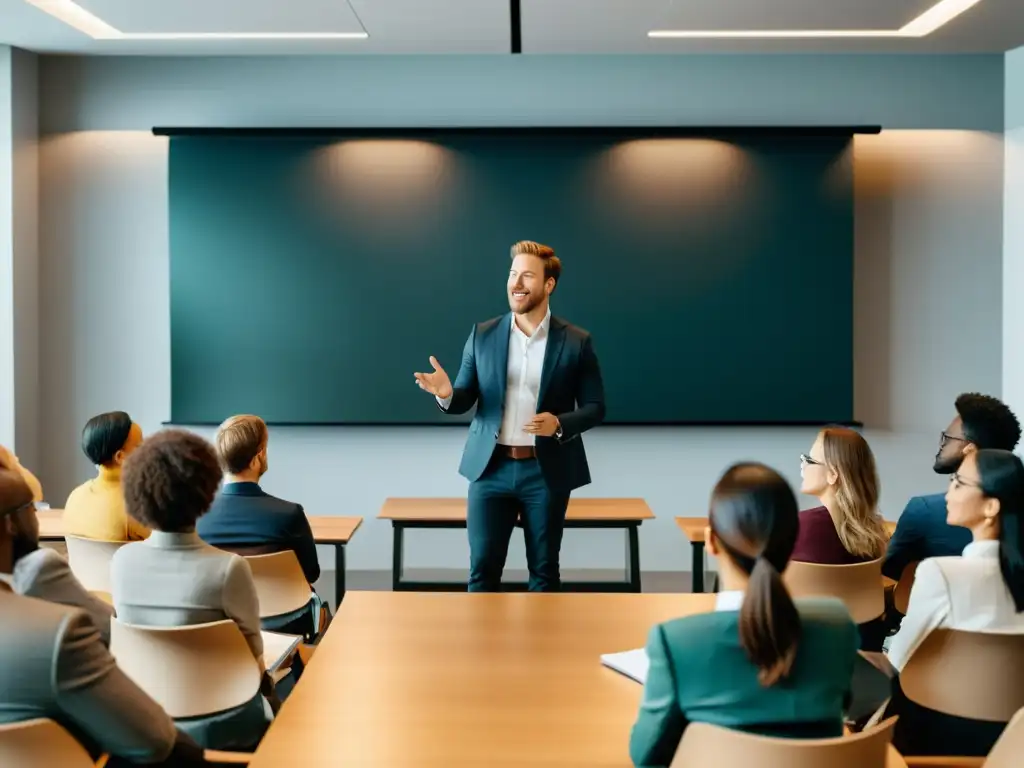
699	673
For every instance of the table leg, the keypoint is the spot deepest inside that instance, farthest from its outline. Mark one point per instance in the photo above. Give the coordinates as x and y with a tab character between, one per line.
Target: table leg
397	555
633	557
698	566
339	575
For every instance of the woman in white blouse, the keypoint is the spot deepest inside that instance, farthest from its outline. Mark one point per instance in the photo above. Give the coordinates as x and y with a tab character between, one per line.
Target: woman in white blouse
981	590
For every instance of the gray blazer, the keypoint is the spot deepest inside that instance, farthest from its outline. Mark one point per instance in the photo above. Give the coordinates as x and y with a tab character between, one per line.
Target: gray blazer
53	664
175	580
46	575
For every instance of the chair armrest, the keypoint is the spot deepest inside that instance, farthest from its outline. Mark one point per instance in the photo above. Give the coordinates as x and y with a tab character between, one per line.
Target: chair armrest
102	761
227	758
945	762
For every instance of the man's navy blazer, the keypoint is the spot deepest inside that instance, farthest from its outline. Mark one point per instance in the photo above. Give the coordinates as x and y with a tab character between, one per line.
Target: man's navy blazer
243	516
570	387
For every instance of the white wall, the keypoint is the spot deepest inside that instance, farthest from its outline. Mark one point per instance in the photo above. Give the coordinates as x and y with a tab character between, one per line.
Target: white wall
928	255
1013	237
19	257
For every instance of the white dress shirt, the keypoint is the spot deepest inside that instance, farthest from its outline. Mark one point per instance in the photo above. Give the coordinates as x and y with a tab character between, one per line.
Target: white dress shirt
522	383
966	593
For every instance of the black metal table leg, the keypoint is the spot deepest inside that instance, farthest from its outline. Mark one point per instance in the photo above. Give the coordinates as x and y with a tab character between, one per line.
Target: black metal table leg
698	566
397	555
633	557
339	574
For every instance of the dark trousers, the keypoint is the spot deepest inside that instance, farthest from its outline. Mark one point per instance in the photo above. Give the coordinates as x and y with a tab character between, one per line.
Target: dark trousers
511	490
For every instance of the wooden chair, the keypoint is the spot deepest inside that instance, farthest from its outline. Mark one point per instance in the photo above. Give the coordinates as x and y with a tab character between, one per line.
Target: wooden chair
280	583
901	595
977	675
90	561
705	744
42	743
190	671
859	586
1006	753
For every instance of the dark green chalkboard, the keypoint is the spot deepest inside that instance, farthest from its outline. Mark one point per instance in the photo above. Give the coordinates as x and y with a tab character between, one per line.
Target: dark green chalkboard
311	277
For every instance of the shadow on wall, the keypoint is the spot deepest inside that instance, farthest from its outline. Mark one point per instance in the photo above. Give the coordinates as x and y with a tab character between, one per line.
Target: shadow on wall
905	282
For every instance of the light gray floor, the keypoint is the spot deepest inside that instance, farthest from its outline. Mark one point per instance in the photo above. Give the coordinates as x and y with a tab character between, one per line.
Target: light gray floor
380	581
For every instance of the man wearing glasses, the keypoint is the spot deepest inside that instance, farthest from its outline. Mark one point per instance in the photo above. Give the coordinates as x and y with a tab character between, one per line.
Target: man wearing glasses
981	422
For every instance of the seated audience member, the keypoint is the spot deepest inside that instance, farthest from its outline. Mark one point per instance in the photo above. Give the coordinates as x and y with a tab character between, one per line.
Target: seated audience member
846	529
759	662
95	510
8	459
921	531
174	579
981	590
43	573
246	520
53	665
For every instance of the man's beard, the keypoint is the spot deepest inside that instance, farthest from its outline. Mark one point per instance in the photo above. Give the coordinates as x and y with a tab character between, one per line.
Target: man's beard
947	465
532	302
22	545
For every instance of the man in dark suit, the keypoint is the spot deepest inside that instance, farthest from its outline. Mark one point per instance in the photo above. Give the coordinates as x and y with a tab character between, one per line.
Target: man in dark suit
537	386
981	422
245	519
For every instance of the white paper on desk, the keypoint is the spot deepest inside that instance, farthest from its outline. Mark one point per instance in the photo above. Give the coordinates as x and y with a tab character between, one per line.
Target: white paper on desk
278	647
632	664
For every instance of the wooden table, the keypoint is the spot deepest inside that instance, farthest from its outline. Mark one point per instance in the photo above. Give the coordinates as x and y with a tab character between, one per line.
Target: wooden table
693	528
329	530
625	514
430	680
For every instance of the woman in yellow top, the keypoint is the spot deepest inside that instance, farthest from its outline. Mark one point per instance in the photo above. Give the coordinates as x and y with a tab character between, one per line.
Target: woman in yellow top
96	509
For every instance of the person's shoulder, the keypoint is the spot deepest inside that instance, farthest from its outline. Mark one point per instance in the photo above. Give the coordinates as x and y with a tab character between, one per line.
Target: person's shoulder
574	331
814	517
489	325
41	618
29	567
927	504
695	625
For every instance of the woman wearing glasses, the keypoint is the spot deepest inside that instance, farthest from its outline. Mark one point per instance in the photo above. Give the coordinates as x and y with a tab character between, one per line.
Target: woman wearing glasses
846	528
982	590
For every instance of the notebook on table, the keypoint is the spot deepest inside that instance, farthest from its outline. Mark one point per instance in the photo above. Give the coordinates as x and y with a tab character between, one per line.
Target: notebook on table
632	664
278	648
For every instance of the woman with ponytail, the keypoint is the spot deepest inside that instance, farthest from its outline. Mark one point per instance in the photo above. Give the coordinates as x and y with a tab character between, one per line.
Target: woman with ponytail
760	662
983	590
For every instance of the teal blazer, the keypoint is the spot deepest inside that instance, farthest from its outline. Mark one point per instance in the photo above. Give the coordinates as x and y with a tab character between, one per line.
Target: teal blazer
699	673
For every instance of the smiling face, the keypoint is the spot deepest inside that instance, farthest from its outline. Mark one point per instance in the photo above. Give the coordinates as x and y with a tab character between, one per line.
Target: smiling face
527	287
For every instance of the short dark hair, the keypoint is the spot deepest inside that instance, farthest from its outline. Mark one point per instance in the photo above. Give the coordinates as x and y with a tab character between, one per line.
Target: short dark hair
552	264
755	517
170	480
105	435
988	422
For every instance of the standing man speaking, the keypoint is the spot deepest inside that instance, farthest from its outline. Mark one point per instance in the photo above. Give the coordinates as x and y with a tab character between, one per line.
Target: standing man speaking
537	386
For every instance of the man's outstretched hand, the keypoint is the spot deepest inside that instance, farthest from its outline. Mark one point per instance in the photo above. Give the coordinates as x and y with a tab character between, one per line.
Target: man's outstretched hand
436	382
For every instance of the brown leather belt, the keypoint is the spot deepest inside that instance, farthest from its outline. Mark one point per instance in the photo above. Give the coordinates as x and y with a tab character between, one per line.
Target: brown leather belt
517	452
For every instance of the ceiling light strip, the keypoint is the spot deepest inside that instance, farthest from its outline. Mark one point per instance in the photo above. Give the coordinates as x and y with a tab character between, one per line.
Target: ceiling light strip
74	15
935	17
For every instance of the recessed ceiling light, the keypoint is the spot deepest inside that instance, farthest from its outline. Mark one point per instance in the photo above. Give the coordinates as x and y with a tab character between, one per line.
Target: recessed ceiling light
74	15
938	15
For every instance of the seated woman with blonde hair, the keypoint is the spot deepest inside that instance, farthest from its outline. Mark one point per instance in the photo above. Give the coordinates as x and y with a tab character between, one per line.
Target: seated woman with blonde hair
846	528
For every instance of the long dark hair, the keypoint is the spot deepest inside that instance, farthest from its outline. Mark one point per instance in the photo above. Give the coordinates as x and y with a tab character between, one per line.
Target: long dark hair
754	517
1002	478
105	435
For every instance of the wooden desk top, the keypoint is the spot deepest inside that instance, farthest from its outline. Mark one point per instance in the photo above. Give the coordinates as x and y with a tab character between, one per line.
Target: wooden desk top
444	510
441	680
693	527
327	529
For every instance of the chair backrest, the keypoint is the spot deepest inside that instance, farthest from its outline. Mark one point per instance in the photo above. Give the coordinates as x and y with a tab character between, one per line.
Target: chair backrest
859	585
704	744
1007	752
90	561
41	743
978	675
280	583
190	671
901	594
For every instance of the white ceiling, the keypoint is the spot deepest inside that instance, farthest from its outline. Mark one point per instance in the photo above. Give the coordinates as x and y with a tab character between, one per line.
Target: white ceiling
483	26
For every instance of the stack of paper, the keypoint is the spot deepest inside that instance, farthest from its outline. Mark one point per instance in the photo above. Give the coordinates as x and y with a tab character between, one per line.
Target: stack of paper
277	648
632	664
